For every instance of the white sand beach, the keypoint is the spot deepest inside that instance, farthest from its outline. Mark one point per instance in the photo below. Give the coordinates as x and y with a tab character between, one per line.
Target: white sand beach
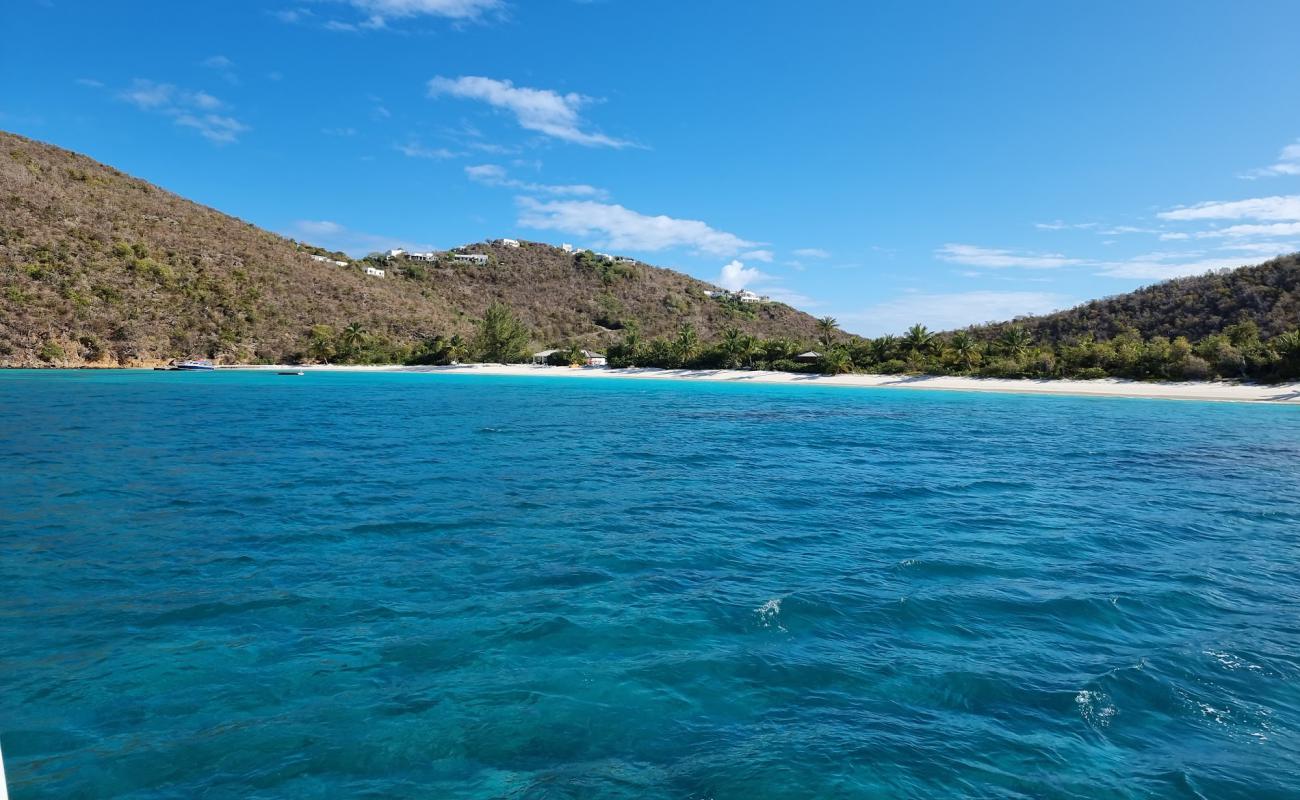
1288	393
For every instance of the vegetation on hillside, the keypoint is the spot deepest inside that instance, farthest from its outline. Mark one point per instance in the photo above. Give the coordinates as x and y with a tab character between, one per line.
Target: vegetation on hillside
98	267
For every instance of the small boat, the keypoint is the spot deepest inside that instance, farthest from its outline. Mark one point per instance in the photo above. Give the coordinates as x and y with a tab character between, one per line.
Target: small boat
196	364
288	373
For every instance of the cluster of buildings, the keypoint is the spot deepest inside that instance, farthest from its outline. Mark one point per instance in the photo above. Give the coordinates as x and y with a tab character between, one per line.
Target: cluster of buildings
328	260
460	256
743	296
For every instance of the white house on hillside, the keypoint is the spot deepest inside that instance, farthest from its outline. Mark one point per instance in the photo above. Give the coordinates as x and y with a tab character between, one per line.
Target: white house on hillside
429	256
327	260
396	252
508	242
470	258
378	273
566	247
625	260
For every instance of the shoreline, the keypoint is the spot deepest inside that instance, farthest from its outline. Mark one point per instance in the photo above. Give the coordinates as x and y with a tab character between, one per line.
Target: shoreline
1277	394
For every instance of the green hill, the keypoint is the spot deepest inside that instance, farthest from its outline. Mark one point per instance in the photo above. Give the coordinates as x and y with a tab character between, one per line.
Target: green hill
1267	295
98	267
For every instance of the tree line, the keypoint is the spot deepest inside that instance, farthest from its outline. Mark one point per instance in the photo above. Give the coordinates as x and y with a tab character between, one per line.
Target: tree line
1239	351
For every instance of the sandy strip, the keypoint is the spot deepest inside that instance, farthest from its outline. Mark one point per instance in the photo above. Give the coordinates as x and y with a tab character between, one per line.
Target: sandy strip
1286	393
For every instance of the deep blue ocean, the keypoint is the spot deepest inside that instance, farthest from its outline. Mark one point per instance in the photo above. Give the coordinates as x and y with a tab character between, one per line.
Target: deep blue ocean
242	585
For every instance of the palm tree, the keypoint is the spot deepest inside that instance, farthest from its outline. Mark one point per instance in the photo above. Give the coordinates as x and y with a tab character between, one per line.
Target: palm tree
737	347
918	340
353	336
826	327
965	348
1015	342
882	348
836	361
686	343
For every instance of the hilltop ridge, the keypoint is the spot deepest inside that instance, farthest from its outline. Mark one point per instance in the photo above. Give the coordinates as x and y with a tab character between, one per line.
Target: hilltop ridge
101	268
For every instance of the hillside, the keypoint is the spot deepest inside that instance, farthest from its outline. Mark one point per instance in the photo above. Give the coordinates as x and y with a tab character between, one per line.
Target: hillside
1196	307
98	267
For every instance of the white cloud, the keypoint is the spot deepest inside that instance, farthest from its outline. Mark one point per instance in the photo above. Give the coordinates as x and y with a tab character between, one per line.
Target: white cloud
148	95
736	276
1271	229
975	256
1062	225
621	228
1163	266
91	82
1288	163
401	9
541	110
811	252
187	108
332	235
765	256
496	175
949	311
1263	248
417	150
339	131
214	127
1280	208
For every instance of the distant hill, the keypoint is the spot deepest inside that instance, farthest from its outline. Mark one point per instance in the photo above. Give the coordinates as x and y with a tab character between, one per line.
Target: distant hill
100	267
1196	307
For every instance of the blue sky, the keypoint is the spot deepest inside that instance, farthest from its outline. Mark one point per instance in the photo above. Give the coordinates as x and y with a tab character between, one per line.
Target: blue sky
883	163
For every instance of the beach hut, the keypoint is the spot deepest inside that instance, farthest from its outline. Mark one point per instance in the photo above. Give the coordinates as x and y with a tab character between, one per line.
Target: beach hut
542	356
810	357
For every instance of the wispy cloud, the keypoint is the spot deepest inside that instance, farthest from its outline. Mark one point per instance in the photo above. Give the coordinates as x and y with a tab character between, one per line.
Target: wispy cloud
187	108
222	66
812	252
766	256
1062	225
541	110
1163	266
948	311
622	228
496	175
414	149
326	233
976	256
1280	208
90	82
1239	231
1288	163
384	10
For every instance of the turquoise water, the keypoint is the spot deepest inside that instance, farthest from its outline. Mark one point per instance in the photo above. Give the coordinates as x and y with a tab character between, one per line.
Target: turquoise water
241	585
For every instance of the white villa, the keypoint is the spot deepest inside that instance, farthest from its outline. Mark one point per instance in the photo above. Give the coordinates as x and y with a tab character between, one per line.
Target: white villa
429	256
378	273
744	296
396	252
327	260
566	247
470	258
508	242
625	260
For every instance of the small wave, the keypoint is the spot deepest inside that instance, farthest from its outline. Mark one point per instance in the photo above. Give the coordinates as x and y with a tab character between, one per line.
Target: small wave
1095	707
769	614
